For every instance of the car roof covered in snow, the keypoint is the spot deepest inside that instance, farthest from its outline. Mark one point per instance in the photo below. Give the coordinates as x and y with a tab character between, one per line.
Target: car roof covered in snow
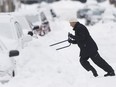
5	18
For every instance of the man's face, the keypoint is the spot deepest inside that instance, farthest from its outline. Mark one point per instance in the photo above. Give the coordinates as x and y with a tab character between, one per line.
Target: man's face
72	24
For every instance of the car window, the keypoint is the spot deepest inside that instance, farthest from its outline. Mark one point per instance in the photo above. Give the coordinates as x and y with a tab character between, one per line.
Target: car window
43	17
18	30
30	24
6	30
32	18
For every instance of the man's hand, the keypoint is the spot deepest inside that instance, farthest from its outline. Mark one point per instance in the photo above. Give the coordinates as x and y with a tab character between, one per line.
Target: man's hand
70	35
69	40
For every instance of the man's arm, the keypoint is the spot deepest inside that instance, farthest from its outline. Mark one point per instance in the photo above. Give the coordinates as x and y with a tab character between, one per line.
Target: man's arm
72	41
78	37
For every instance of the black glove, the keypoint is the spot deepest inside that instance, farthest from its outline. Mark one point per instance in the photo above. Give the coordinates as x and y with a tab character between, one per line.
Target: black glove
70	41
70	35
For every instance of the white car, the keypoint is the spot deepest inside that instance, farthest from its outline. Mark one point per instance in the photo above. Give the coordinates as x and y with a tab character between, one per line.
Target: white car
11	32
7	64
93	8
109	16
26	25
47	10
92	13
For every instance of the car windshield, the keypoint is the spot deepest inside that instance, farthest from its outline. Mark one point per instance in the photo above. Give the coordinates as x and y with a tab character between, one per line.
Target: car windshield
5	30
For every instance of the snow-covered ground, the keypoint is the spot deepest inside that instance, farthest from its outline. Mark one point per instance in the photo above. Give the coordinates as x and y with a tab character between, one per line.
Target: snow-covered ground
40	65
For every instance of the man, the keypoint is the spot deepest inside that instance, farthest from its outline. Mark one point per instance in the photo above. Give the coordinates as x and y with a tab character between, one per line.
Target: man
88	49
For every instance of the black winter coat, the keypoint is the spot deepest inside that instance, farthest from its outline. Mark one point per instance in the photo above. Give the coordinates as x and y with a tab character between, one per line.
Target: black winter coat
85	42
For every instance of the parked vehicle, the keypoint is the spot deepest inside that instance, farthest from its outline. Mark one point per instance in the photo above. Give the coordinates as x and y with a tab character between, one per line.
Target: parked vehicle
11	32
93	17
82	12
95	8
42	27
26	25
7	63
47	10
109	16
91	12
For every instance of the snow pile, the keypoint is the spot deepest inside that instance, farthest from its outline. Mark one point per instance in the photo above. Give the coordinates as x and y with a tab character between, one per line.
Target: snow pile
42	66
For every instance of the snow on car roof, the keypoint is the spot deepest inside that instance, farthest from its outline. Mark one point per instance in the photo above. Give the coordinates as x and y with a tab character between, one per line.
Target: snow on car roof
5	18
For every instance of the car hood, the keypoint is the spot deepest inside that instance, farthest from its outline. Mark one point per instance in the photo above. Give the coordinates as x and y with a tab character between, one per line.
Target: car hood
9	43
6	63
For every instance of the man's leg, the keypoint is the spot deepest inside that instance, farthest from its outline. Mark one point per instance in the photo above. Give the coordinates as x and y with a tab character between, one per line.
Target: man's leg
99	61
88	66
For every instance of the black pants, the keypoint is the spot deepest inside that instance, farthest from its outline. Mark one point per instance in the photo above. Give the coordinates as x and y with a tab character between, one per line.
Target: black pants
98	60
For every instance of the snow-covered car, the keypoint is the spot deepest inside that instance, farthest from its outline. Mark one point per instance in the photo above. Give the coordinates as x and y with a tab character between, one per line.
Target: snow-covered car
44	26
94	8
82	12
109	16
24	22
93	17
47	10
35	22
11	32
91	12
40	26
7	63
44	16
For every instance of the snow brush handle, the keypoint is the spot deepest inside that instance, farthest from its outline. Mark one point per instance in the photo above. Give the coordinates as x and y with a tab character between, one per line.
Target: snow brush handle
63	47
58	42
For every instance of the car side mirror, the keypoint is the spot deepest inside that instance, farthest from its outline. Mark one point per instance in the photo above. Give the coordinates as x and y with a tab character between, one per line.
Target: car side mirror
13	53
30	33
35	27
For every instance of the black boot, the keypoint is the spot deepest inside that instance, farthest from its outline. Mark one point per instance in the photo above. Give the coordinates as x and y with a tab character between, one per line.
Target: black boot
109	74
94	72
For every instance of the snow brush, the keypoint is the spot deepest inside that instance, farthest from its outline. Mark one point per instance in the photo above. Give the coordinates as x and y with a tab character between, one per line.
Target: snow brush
60	43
